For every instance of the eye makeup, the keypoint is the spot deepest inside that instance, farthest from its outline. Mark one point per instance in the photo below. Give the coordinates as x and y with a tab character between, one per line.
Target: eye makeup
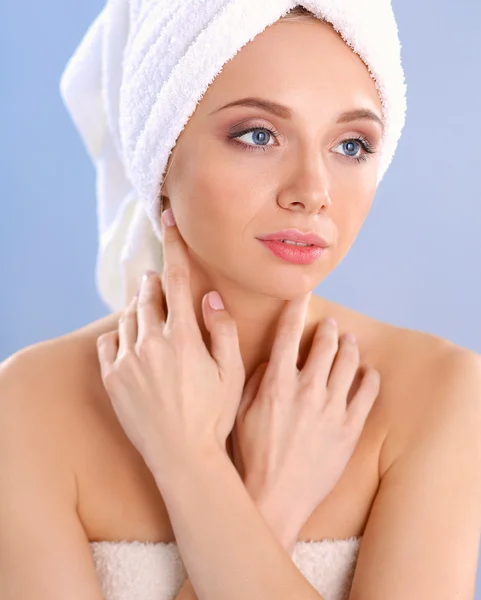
360	140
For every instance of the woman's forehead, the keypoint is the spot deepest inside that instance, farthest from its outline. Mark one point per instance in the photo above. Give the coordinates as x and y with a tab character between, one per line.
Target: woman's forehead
299	65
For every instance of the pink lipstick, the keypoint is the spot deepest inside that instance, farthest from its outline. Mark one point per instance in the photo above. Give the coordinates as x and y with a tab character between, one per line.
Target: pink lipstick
295	246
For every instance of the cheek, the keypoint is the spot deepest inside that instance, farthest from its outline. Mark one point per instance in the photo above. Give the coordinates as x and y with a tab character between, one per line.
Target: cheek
352	208
208	199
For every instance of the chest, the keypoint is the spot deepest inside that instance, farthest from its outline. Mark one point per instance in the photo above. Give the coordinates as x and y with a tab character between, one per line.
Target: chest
119	499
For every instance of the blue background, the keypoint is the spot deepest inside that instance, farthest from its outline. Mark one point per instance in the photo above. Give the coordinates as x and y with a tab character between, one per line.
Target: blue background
416	262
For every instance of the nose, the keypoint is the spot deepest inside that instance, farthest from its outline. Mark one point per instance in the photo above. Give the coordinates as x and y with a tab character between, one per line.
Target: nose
308	188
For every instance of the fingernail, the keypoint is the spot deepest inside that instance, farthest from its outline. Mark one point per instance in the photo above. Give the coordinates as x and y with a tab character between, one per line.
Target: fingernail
350	337
148	274
330	322
168	217
215	301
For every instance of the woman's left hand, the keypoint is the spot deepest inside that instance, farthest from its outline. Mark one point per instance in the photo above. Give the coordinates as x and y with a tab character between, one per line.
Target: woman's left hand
171	395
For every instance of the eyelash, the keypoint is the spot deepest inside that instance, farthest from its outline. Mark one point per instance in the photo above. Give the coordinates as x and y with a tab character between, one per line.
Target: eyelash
362	140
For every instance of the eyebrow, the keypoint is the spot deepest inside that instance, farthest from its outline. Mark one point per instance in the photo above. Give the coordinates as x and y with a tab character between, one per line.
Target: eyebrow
286	113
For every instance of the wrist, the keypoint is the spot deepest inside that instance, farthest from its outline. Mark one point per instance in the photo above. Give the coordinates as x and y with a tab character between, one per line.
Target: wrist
175	467
283	525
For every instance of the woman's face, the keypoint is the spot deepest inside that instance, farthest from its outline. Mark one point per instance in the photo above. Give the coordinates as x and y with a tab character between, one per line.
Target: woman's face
227	188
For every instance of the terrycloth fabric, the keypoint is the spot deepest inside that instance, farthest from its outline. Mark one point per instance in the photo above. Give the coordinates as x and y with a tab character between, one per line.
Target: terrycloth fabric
142	571
136	78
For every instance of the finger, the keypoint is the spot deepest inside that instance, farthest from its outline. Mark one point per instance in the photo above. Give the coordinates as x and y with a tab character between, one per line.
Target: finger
176	275
128	327
322	353
363	401
343	370
150	311
285	349
107	348
224	341
251	389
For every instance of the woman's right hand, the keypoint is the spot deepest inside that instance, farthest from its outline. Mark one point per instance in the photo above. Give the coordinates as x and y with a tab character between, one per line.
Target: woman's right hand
295	431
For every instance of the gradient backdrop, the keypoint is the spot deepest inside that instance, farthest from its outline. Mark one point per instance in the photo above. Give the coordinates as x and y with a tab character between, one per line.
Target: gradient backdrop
416	262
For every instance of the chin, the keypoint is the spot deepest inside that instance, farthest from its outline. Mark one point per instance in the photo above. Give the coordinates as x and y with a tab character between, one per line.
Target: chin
264	277
284	286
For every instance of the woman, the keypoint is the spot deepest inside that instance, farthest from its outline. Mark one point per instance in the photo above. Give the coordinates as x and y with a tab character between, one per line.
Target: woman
360	458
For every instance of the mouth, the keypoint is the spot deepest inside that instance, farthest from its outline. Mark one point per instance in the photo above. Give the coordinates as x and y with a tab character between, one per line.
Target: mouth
296	238
294	252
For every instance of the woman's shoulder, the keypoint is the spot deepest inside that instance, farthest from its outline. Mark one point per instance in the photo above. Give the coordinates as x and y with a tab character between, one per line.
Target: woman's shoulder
48	385
409	359
61	363
393	347
415	366
432	385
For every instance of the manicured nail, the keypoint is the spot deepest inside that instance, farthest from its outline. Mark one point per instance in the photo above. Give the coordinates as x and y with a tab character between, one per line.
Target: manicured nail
168	217
148	274
215	301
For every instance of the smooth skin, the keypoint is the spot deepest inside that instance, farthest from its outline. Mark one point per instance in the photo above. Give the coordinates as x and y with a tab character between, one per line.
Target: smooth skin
68	472
225	192
178	404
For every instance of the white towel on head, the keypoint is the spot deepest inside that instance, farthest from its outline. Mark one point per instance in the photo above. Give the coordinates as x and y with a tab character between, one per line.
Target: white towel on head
137	77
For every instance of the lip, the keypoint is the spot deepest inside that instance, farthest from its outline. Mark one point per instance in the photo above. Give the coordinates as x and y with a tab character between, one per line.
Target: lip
294	235
299	255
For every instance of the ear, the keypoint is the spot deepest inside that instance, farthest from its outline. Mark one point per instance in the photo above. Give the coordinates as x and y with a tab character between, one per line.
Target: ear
164	188
163	204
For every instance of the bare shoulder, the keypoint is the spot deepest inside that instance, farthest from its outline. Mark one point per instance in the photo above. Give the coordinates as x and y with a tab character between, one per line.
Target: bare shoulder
422	374
43	388
57	364
425	378
43	394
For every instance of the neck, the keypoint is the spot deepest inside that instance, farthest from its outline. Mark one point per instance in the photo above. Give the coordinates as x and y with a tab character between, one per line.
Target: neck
256	316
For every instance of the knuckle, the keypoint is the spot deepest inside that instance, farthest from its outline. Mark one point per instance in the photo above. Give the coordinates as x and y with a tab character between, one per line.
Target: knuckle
274	390
106	337
101	339
326	336
309	391
125	359
372	378
182	335
145	347
288	331
290	321
176	274
146	297
110	377
349	349
125	316
143	351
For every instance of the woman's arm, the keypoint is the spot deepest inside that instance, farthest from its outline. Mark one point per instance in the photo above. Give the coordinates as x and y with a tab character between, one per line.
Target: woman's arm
423	533
228	549
44	550
278	526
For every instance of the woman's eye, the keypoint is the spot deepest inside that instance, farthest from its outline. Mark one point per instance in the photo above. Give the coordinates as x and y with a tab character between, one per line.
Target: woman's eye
357	149
260	136
352	146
